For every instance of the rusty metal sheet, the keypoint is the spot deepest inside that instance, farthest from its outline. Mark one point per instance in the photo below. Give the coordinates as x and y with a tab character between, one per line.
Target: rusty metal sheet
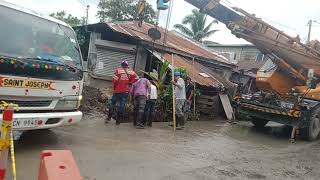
193	71
225	101
174	40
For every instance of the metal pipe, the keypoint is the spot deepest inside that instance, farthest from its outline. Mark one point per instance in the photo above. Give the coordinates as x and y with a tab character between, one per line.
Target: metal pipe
173	96
194	89
309	32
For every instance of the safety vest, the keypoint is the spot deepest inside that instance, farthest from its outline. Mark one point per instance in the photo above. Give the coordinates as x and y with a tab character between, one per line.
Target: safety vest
122	80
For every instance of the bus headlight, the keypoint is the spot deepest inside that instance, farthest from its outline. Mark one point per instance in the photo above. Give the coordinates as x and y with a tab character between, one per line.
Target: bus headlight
69	103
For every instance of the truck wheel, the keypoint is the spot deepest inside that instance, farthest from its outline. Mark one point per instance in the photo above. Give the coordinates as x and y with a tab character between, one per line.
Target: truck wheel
259	123
311	132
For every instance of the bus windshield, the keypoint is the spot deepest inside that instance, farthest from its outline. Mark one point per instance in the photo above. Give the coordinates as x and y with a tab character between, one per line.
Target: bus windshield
24	35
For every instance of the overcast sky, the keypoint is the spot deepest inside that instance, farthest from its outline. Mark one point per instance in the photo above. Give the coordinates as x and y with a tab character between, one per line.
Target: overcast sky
288	15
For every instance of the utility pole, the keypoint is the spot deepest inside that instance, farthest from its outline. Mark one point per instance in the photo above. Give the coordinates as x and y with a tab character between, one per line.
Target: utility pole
309	33
87	14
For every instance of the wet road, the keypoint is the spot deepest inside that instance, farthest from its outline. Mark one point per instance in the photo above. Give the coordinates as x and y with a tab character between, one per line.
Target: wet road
204	151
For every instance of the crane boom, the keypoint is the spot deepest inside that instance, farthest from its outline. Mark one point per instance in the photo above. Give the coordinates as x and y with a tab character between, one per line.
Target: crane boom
265	37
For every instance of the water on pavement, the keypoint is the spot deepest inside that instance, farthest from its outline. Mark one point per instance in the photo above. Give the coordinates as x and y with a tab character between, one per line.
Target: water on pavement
204	150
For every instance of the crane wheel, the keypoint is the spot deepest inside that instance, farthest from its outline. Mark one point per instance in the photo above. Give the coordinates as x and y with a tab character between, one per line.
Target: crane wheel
259	123
311	132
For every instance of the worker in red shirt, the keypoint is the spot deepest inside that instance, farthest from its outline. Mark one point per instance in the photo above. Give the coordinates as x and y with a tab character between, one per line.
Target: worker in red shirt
122	80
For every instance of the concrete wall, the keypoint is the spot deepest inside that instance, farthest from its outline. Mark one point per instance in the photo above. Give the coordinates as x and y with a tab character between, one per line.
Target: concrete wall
141	60
92	51
104	82
98	82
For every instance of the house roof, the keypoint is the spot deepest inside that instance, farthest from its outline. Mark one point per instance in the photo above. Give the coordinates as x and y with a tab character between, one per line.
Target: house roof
198	73
193	71
249	65
230	45
174	40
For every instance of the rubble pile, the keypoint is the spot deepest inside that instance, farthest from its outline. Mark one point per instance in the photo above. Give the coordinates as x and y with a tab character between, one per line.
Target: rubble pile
93	100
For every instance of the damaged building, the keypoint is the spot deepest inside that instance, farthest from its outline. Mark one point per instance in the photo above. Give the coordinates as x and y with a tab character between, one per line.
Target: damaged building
247	58
111	43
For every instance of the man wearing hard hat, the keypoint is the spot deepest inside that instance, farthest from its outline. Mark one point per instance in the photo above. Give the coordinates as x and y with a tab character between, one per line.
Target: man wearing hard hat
122	80
180	95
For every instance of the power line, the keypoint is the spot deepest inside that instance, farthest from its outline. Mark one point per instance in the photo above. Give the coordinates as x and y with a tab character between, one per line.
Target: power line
297	31
168	21
228	3
316	22
280	24
302	28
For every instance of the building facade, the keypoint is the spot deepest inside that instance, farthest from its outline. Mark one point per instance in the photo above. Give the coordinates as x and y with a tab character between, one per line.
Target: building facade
247	58
238	52
111	43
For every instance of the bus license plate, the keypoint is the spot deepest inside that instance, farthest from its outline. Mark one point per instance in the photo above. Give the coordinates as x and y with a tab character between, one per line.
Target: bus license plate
23	123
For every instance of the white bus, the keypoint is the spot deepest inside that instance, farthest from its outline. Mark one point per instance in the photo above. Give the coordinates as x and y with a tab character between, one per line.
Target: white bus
40	69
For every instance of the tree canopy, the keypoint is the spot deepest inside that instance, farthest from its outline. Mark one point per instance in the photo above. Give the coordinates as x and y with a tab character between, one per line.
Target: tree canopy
123	10
68	18
195	26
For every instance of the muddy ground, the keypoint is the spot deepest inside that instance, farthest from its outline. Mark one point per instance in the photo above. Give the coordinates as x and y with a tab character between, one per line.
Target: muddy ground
203	151
94	100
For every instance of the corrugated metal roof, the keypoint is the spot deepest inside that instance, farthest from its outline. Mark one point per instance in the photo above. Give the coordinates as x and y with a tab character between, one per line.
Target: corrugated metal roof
193	71
231	45
174	40
248	65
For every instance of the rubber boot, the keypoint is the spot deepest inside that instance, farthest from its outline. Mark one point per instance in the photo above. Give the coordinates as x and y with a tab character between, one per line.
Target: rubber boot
119	118
149	121
109	116
140	120
144	119
180	123
171	124
135	118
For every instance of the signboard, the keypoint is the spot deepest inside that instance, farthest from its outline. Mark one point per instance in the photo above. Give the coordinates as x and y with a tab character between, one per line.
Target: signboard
25	83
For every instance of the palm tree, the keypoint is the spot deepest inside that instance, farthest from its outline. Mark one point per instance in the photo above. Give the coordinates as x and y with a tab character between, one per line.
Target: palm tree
197	22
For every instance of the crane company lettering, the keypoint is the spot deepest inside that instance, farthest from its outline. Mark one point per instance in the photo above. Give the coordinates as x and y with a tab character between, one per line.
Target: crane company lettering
23	83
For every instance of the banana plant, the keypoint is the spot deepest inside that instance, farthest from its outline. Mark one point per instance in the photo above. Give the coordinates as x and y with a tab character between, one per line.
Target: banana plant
164	101
159	77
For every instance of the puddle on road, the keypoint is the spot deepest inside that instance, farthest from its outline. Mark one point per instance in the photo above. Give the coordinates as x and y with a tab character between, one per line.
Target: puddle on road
204	150
273	134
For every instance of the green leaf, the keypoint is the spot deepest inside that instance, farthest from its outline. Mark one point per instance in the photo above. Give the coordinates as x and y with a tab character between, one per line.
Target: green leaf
152	75
194	26
67	18
123	10
183	29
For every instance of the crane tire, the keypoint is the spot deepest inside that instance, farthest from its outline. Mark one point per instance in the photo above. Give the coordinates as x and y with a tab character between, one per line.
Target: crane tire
258	122
311	132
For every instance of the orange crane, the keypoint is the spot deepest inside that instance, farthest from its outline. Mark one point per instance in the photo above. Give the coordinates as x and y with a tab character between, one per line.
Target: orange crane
289	92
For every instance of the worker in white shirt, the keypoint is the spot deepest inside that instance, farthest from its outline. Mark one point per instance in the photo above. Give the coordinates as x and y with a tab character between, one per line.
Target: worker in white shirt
180	95
151	105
